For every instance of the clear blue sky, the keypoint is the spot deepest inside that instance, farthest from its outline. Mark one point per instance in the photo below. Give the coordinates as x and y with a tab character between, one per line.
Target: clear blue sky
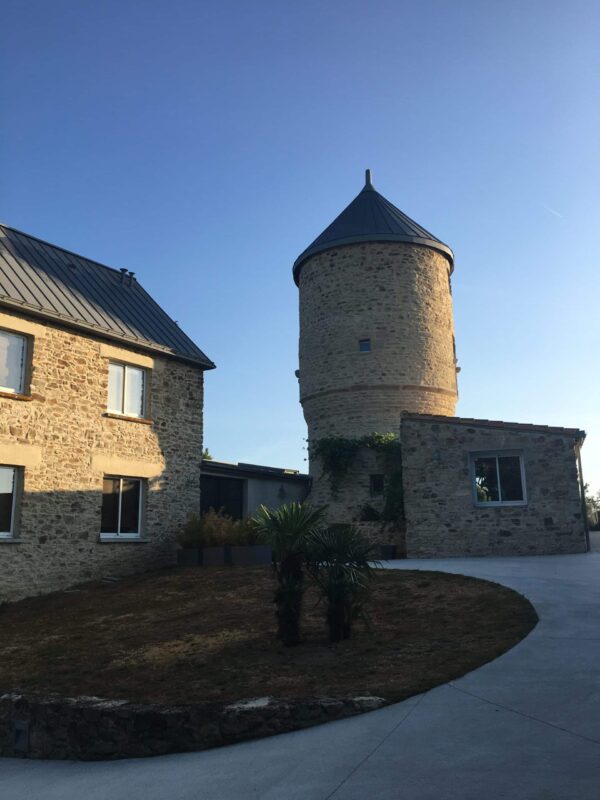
204	145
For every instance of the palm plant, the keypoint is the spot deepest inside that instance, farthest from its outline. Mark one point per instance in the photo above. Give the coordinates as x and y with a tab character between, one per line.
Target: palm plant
287	530
339	561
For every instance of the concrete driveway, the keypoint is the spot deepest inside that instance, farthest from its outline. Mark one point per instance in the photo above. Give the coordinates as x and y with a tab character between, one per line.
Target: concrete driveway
524	727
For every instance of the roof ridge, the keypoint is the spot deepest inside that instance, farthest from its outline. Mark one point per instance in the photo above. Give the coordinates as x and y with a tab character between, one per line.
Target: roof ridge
59	247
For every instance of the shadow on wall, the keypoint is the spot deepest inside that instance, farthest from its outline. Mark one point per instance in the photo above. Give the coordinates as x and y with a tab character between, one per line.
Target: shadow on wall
63	538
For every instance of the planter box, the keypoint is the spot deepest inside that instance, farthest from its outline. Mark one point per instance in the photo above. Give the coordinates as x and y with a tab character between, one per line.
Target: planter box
249	555
189	557
238	555
214	556
388	552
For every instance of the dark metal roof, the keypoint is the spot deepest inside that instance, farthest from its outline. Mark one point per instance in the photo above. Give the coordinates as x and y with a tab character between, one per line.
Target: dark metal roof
47	281
371	218
241	470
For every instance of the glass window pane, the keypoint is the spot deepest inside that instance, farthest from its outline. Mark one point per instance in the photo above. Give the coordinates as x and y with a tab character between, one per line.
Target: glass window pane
511	486
110	506
130	506
115	388
7	486
12	361
486	480
134	392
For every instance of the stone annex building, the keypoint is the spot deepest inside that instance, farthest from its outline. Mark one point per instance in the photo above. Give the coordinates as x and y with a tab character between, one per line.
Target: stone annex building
100	421
101	401
378	356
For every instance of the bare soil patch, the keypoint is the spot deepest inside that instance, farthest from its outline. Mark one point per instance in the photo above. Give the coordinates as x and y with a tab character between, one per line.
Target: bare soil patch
181	636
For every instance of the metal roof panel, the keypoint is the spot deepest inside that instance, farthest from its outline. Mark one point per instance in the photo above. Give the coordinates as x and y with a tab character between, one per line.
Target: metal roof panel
371	218
52	282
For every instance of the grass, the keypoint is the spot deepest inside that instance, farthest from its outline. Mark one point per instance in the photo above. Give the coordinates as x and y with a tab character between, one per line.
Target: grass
181	636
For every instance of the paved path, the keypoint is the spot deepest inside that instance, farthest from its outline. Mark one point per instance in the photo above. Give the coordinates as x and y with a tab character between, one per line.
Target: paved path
524	727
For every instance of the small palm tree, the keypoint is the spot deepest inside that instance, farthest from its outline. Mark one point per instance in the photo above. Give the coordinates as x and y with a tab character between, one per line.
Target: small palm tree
339	561
287	530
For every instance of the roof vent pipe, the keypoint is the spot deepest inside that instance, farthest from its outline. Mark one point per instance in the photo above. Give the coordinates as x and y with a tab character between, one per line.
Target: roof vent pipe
131	278
123	272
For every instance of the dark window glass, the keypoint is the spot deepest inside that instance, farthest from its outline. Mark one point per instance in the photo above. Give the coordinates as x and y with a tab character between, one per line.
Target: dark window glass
120	505
222	493
7	488
130	506
364	345
377	484
110	506
486	480
511	486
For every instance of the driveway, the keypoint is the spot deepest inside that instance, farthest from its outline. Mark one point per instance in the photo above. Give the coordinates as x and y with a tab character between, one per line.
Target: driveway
524	727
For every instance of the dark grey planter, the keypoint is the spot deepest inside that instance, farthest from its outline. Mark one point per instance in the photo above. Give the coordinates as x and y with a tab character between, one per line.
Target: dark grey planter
250	555
388	552
189	557
213	556
263	554
242	555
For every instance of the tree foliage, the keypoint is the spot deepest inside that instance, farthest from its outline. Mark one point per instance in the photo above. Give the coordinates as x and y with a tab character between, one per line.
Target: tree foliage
287	530
339	562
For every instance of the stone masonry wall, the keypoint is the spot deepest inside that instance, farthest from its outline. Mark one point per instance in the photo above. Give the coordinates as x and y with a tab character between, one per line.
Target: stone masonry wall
398	296
65	443
441	516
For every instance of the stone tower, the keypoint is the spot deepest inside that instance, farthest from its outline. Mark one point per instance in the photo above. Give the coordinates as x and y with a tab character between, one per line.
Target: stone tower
376	328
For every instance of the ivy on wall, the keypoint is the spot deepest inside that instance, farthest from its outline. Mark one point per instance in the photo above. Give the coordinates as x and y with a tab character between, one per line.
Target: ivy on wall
337	454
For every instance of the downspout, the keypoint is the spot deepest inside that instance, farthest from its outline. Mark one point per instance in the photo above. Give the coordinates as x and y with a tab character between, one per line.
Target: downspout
586	526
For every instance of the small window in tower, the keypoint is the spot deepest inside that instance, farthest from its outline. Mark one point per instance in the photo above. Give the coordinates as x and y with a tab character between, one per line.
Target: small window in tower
377	484
364	345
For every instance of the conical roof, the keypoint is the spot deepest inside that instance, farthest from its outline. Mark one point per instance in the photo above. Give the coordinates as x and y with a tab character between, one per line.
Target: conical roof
371	218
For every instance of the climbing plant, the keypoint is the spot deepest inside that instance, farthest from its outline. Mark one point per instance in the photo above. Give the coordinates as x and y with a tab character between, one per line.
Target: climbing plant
337	454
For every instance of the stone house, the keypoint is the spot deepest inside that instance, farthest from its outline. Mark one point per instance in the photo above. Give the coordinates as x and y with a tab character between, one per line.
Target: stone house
378	357
101	398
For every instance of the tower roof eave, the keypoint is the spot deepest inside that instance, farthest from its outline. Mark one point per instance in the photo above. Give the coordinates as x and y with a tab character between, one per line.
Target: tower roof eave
371	218
365	238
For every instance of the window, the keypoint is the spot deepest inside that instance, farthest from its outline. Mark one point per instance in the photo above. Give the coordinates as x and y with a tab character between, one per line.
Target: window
8	494
126	390
222	493
499	479
364	345
377	484
121	507
13	354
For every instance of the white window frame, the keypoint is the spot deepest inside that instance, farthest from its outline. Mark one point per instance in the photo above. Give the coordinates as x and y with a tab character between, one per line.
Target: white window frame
144	403
497	454
23	375
13	511
117	534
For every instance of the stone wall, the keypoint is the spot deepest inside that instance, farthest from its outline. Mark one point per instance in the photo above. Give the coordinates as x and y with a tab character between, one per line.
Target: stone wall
398	296
441	516
65	443
92	729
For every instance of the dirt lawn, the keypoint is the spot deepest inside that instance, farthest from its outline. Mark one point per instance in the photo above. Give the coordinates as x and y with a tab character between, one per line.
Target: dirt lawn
180	636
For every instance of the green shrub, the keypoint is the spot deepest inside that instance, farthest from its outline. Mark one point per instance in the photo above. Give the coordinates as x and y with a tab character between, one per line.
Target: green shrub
191	533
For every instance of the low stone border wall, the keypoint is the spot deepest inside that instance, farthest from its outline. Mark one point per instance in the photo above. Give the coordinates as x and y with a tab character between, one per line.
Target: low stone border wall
88	728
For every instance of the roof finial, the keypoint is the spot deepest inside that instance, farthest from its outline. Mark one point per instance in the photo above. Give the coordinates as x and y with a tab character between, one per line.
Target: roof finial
368	184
